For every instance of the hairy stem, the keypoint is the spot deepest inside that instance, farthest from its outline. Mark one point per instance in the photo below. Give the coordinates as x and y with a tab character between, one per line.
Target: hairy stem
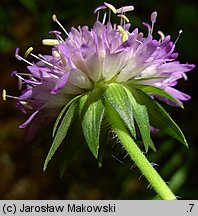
138	157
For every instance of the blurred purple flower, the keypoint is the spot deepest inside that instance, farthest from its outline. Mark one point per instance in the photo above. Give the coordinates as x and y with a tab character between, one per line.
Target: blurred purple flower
90	57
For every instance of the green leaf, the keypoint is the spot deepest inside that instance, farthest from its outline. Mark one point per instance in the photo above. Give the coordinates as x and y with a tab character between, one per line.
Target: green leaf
159	118
141	117
157	91
115	95
91	113
61	132
60	116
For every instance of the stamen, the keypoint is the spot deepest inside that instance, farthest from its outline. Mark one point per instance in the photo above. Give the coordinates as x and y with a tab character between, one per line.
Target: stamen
23	74
180	32
56	53
63	58
28	52
4	96
125	9
153	20
50	42
57	34
98	16
20	77
124	33
21	58
99	8
104	18
44	61
124	17
109	15
20	84
147	26
139	42
111	7
20	80
25	103
161	34
56	20
185	76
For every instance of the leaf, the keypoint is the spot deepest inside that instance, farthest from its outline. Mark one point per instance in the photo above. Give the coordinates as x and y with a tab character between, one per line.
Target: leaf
115	95
157	91
159	118
141	117
92	111
61	132
60	116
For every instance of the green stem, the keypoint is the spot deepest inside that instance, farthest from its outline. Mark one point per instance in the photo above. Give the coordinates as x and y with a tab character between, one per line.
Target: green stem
138	157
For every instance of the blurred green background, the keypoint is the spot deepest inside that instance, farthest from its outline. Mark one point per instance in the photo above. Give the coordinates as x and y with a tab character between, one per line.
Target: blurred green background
25	23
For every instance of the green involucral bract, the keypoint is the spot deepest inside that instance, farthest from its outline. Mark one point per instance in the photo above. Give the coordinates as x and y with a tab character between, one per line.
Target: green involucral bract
91	112
115	95
63	123
160	119
129	101
141	117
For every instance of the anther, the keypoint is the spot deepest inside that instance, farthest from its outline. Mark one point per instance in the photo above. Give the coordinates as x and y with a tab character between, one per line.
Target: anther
63	59
153	20
4	95
125	9
57	34
99	8
161	34
153	17
123	17
50	42
24	103
124	33
21	58
111	7
28	52
55	53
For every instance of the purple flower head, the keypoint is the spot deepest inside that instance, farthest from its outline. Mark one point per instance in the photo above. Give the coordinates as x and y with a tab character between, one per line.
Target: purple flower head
91	57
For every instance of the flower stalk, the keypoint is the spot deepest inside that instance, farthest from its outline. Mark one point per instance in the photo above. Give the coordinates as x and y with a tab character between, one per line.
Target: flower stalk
138	157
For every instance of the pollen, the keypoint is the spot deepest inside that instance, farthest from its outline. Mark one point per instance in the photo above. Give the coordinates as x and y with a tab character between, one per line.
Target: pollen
50	42
29	50
4	95
161	34
124	17
24	103
111	7
56	53
54	17
124	33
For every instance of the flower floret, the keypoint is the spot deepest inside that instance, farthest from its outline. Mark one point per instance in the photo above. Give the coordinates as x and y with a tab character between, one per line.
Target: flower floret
107	52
